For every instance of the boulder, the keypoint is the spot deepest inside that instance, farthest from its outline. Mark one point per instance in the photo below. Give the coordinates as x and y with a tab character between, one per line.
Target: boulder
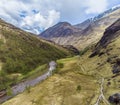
115	99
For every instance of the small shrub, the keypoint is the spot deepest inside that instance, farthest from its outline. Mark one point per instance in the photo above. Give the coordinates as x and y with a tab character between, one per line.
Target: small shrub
84	51
78	88
28	89
59	66
1	42
9	91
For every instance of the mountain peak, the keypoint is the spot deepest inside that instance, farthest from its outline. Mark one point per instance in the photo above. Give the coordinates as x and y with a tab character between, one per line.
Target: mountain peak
60	30
64	23
92	29
116	7
106	12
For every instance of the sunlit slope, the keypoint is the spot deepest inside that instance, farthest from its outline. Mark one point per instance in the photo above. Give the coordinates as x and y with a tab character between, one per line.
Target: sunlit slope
84	34
22	52
77	83
80	80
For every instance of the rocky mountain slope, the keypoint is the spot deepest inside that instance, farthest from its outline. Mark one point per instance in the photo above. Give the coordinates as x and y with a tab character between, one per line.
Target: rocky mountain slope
111	33
82	80
22	52
84	34
84	24
61	29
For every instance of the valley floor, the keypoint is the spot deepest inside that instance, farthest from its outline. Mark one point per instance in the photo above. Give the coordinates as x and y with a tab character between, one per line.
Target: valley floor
81	81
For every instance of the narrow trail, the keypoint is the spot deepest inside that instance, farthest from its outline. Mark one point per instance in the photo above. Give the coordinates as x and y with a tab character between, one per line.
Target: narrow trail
82	68
101	96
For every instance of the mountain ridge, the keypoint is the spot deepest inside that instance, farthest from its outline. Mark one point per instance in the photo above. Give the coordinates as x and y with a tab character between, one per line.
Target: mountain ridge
89	31
62	29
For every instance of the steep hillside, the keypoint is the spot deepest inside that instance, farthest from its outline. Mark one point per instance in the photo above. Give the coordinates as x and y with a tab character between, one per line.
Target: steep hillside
22	52
82	80
62	29
89	32
109	36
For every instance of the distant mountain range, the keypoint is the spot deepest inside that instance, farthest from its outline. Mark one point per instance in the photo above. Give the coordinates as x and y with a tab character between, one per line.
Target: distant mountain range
83	34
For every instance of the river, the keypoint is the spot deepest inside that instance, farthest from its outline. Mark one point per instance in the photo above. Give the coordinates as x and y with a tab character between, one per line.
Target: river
19	88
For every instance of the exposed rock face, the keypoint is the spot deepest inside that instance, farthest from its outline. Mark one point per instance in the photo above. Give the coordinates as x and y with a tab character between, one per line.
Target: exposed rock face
110	34
115	99
116	69
83	34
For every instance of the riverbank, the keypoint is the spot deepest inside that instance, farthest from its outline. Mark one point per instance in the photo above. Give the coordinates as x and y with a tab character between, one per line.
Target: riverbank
26	84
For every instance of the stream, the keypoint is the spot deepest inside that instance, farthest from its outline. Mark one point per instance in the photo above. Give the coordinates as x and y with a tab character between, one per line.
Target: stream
21	87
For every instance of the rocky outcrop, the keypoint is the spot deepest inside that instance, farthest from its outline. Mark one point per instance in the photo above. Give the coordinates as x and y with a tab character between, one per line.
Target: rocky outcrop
115	99
110	34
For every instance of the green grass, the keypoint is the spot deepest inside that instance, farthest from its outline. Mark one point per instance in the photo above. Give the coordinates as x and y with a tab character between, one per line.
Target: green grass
84	51
66	86
36	72
76	82
14	78
21	53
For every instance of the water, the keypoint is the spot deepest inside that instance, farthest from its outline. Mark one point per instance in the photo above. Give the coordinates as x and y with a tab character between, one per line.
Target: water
19	88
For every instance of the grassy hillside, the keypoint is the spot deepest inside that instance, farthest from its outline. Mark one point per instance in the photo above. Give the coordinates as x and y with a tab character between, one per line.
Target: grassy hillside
80	80
22	52
66	87
77	83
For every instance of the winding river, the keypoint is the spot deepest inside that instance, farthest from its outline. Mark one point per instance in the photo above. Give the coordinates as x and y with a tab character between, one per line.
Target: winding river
19	88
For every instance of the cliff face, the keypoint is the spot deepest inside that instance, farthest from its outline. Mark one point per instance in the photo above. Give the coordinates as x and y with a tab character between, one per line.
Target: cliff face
111	34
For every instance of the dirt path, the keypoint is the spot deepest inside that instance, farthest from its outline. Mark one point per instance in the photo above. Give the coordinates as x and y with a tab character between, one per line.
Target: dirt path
101	96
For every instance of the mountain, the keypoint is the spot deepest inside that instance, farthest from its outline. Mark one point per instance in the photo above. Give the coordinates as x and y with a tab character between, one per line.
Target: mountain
21	52
61	29
83	34
107	12
82	80
84	24
112	33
